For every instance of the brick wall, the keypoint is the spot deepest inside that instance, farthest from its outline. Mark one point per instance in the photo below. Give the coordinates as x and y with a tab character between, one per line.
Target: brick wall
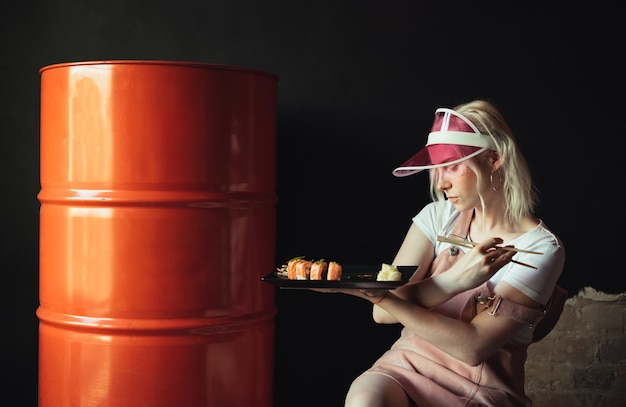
582	362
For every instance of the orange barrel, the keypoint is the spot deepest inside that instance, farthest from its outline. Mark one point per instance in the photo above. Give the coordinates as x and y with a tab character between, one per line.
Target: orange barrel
157	222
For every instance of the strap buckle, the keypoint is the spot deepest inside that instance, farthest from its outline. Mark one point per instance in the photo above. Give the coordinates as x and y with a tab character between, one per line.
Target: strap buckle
484	300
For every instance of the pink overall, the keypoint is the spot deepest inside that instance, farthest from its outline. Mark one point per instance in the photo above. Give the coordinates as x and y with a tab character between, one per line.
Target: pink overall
433	378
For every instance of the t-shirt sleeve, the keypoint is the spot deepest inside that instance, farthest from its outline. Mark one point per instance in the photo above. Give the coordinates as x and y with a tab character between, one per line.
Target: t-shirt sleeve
426	220
436	218
537	283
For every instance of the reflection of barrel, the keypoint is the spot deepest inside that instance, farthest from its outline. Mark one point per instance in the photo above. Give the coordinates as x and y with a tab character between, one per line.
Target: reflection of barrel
157	224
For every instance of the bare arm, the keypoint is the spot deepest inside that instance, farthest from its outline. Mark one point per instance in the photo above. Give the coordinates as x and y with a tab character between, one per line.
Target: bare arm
471	342
474	268
416	249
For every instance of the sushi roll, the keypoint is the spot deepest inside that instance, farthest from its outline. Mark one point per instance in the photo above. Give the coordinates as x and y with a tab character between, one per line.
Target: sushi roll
303	269
291	267
319	269
334	271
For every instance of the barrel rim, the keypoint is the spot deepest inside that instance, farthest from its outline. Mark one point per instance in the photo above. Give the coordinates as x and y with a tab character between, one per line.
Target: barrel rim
190	64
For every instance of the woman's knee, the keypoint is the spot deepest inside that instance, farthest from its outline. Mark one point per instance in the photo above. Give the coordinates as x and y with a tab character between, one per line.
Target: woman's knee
376	390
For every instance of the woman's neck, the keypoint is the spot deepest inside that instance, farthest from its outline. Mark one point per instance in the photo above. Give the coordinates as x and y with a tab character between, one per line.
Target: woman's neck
496	224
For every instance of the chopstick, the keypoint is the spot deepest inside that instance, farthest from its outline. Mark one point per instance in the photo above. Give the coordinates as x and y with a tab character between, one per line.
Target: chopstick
523	264
465	243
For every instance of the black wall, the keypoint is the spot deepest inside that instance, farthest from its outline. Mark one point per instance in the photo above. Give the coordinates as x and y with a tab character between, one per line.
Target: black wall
359	82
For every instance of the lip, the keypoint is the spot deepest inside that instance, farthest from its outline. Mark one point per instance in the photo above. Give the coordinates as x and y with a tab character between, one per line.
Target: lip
453	199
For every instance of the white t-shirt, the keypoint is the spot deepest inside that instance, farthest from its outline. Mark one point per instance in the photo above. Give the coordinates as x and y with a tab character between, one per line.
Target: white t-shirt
435	219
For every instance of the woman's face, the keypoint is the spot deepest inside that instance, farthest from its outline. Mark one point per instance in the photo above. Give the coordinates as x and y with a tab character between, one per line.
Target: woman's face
459	183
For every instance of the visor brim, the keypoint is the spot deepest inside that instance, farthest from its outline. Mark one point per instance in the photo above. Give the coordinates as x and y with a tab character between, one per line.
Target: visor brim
423	159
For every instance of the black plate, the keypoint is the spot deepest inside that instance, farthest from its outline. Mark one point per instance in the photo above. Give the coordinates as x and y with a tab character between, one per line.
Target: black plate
353	276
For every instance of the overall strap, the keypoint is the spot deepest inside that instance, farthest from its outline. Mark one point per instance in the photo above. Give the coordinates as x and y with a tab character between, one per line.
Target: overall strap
462	225
447	258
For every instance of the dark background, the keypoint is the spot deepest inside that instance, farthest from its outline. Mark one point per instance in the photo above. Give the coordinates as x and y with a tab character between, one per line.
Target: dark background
358	84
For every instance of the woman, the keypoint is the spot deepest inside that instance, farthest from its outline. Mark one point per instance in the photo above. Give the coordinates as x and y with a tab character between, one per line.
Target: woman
470	310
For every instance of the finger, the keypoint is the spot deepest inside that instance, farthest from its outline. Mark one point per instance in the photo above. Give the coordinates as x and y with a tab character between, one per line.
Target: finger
489	245
501	258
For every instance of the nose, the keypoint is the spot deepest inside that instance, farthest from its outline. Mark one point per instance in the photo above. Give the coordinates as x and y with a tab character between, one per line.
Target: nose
442	182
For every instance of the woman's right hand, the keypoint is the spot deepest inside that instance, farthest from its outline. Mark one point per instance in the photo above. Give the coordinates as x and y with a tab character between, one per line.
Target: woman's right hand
477	265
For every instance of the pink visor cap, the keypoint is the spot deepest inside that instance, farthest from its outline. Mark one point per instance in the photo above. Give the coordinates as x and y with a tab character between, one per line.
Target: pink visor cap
452	139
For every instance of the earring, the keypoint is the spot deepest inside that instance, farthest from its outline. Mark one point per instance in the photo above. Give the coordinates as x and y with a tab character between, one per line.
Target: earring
499	180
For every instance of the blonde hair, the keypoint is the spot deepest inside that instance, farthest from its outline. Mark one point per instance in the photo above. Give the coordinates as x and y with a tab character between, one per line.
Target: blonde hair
520	194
